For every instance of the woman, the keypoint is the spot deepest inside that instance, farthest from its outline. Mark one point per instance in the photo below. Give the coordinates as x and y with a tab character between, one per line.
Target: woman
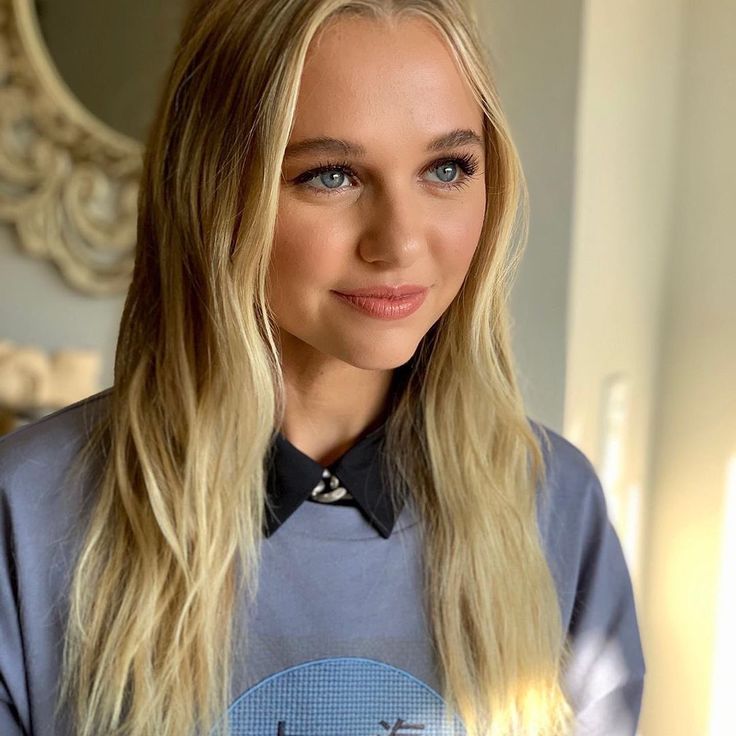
454	553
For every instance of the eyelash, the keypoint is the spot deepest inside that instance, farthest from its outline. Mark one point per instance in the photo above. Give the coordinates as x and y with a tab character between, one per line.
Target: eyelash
467	162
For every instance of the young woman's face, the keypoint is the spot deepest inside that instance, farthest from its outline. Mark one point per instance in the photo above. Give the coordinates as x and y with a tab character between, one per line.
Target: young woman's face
401	213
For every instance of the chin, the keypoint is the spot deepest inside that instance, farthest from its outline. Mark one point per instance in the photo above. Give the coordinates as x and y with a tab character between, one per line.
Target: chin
377	359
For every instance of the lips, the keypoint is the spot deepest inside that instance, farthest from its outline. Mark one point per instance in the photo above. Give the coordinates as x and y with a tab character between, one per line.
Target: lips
385	309
385	291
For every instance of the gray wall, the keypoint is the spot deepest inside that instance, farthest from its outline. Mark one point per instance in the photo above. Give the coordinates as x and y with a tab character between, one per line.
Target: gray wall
38	308
535	47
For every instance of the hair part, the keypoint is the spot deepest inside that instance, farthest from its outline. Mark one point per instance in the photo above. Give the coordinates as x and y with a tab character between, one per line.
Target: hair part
171	547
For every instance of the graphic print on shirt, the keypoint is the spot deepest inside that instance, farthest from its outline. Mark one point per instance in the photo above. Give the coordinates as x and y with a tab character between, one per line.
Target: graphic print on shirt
342	696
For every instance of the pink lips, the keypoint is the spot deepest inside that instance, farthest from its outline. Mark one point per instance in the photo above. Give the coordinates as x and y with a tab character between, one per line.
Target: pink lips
385	291
382	308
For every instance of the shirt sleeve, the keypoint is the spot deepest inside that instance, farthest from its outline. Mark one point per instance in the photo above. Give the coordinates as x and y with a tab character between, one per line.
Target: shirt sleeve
605	673
11	653
9	725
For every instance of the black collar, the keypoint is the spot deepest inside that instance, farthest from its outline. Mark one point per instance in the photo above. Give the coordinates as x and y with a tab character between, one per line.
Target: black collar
293	475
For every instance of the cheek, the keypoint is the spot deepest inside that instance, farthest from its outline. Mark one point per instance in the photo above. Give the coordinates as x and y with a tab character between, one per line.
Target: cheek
304	253
459	237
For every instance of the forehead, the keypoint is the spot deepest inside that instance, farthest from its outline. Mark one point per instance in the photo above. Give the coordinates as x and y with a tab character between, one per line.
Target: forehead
370	80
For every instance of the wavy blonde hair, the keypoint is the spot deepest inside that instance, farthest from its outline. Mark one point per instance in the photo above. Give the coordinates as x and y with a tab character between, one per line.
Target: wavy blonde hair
172	544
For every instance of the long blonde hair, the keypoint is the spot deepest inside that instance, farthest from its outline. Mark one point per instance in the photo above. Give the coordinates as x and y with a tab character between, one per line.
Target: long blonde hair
172	543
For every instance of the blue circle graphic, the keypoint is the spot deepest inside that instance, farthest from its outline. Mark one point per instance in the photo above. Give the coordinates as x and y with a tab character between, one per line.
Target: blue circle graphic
342	696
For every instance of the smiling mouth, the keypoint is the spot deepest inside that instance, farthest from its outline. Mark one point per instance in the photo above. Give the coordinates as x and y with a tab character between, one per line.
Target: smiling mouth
386	291
385	308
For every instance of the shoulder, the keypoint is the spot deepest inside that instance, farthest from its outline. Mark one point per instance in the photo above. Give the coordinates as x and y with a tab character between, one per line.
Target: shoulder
42	514
572	499
572	515
572	492
34	458
605	672
57	430
565	461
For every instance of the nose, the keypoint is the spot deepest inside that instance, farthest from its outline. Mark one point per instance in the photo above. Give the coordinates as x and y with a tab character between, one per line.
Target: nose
395	227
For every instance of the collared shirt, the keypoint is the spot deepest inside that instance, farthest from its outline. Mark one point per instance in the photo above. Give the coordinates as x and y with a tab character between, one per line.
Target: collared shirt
354	479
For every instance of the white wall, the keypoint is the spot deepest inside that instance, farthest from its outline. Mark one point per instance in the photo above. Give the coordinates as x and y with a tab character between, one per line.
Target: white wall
653	305
625	171
623	203
696	420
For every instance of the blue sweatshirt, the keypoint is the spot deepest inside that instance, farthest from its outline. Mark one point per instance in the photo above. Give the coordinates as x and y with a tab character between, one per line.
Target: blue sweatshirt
338	642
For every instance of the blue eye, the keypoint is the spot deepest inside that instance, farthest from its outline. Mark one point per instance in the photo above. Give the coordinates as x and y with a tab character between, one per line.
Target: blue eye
331	175
447	169
331	178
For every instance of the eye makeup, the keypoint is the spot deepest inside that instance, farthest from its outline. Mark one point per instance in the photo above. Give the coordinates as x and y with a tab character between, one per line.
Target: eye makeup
467	163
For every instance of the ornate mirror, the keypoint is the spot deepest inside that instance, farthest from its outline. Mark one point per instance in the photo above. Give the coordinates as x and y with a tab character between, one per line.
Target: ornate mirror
79	81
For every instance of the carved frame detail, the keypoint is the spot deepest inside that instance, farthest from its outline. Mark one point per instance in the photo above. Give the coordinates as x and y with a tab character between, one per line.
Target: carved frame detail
68	182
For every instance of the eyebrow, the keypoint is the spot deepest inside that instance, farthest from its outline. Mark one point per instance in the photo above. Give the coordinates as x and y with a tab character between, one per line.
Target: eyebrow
323	144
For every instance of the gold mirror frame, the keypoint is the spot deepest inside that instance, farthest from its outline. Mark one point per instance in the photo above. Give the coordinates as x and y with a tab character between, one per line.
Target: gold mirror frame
68	181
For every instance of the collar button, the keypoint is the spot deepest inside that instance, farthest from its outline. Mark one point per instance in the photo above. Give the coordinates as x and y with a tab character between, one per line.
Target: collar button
335	493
